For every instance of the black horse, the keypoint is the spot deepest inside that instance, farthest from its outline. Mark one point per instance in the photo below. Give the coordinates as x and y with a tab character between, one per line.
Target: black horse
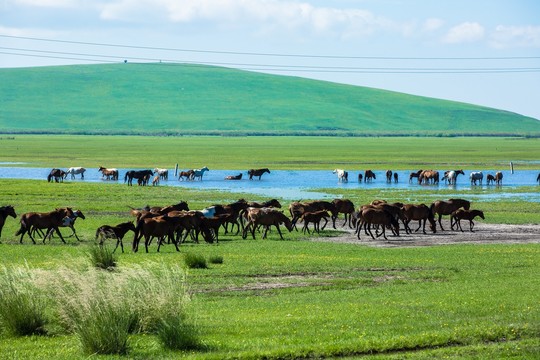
140	175
257	172
57	174
6	211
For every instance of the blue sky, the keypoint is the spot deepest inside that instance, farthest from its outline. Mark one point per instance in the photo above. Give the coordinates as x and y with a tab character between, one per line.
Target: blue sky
481	52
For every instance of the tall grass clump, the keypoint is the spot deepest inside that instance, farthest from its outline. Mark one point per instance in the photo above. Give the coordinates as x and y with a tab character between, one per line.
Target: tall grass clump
104	308
22	304
102	257
195	261
215	259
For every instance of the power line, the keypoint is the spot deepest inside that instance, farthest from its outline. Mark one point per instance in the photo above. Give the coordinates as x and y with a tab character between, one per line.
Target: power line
267	54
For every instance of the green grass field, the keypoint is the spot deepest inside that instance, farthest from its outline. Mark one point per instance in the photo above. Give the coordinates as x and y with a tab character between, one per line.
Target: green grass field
294	298
240	153
146	99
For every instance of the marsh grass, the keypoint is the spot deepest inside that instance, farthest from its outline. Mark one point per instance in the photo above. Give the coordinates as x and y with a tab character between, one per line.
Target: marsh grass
215	259
102	257
22	309
195	261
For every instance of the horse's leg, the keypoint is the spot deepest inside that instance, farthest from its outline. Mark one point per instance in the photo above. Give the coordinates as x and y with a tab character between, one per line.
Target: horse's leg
279	231
419	226
325	222
471	225
59	234
440	223
368	225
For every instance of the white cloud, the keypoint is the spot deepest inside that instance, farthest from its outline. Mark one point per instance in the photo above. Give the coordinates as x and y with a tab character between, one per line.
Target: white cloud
49	3
465	33
432	24
515	36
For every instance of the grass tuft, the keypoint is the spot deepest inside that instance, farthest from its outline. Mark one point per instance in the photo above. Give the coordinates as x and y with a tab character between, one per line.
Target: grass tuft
195	261
102	257
215	259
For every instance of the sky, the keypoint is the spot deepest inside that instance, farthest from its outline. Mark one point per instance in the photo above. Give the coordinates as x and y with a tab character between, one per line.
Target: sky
484	52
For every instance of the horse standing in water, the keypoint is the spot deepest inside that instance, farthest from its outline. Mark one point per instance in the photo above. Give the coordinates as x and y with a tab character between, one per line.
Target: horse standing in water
57	174
414	175
162	173
6	211
137	174
342	175
388	176
476	176
498	178
452	175
76	171
198	173
369	175
109	174
257	172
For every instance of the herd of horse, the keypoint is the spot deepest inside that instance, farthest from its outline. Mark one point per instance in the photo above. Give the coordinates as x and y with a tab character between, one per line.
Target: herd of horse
175	223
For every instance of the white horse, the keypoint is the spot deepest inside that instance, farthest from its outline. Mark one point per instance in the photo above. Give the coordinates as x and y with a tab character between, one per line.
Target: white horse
198	173
76	170
163	173
452	175
476	176
342	175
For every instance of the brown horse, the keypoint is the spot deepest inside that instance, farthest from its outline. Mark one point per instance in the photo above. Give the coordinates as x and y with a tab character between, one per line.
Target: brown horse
388	176
369	176
498	178
257	172
109	174
297	209
160	227
49	220
462	214
266	217
346	207
428	177
373	216
234	177
188	175
421	213
68	221
114	232
58	175
315	218
6	211
442	207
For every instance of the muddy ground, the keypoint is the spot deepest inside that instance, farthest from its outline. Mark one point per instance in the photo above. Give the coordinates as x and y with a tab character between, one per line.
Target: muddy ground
483	234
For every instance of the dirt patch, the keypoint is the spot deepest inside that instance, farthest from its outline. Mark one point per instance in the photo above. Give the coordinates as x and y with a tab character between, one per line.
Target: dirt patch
483	234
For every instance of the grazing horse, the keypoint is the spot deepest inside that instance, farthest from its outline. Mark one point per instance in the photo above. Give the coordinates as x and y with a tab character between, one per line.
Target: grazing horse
297	209
419	212
186	174
369	175
498	178
109	174
49	220
428	177
198	173
342	175
137	174
447	207
114	232
452	175
414	175
257	172
388	176
461	214
75	171
490	179
476	176
6	211
234	177
162	173
57	174
155	181
373	216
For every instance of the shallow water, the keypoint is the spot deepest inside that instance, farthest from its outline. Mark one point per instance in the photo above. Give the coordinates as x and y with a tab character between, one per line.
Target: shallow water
304	184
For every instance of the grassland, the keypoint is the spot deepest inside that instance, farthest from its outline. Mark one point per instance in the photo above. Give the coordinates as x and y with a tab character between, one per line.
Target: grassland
273	152
146	99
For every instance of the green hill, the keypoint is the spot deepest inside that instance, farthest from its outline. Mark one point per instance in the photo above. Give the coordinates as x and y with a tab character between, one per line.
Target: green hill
191	99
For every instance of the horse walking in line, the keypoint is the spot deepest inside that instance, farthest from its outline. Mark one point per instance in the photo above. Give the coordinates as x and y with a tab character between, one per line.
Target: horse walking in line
58	175
49	220
257	172
315	218
452	175
342	175
198	173
421	213
234	177
188	175
140	175
266	217
414	175
447	207
162	173
109	174
68	221
6	211
462	214
369	176
388	176
76	171
476	176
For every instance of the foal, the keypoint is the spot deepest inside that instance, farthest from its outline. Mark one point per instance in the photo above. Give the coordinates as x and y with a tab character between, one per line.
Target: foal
461	214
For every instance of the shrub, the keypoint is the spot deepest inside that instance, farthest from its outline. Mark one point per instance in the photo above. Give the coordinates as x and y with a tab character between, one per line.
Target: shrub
195	261
22	309
176	332
102	257
216	259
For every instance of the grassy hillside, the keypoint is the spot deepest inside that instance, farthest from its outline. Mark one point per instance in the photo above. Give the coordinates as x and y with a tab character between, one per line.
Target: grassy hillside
180	99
